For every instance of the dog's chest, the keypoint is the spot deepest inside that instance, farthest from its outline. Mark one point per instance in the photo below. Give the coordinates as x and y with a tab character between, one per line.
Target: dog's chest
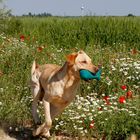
61	93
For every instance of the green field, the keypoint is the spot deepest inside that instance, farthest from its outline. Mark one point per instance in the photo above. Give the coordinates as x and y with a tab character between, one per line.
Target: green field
106	108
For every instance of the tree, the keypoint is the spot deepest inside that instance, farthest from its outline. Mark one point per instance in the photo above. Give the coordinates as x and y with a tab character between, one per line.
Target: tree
29	14
130	15
4	14
3	10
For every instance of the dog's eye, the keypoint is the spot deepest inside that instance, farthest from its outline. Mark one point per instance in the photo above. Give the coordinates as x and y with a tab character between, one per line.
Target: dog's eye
84	61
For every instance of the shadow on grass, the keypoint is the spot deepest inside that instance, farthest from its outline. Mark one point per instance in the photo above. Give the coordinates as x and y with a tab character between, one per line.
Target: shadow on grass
15	132
20	132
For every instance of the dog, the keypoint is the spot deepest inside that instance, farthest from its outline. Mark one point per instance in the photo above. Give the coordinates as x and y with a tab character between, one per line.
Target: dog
56	87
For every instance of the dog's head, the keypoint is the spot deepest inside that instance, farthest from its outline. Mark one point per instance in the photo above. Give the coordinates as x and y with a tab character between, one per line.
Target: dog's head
81	60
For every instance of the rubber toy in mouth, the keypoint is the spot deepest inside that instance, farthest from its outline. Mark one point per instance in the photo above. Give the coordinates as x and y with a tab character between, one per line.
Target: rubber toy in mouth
87	75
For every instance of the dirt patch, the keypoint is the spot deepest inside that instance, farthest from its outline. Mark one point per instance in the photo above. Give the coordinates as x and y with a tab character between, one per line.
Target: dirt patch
17	132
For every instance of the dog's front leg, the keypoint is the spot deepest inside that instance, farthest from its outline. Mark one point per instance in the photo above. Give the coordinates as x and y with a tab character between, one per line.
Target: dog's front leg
44	128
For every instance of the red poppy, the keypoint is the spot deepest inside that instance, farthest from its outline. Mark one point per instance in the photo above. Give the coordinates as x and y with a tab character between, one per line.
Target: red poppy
91	125
122	99
39	49
22	38
134	51
100	108
123	87
106	98
129	94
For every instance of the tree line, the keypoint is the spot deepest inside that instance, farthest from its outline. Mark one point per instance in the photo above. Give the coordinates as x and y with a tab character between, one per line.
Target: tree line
38	15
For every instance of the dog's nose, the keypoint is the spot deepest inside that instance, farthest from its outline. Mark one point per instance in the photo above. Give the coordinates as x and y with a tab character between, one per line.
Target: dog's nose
96	69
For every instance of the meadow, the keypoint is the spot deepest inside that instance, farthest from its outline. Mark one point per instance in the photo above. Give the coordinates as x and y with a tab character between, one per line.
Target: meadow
106	109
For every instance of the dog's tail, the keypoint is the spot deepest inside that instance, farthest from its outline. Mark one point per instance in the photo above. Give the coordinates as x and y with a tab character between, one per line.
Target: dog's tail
33	67
35	73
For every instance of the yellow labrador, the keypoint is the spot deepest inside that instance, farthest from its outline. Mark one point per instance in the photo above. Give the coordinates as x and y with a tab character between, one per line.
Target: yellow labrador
56	87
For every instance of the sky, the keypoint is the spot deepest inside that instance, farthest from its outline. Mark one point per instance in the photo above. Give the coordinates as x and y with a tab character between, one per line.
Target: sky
73	7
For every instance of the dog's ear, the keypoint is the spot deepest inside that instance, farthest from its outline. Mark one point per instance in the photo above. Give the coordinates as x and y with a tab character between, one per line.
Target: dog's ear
71	58
81	51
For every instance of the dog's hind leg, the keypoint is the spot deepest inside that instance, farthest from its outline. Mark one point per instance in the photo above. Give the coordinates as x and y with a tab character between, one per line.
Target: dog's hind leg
36	91
36	95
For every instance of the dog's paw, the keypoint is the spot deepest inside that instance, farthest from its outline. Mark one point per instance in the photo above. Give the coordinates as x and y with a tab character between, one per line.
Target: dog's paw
34	133
45	134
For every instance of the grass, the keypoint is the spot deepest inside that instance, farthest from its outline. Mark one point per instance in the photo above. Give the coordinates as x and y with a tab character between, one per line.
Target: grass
101	109
78	32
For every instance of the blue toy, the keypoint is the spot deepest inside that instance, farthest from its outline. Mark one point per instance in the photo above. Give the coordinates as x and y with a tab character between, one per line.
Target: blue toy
87	75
